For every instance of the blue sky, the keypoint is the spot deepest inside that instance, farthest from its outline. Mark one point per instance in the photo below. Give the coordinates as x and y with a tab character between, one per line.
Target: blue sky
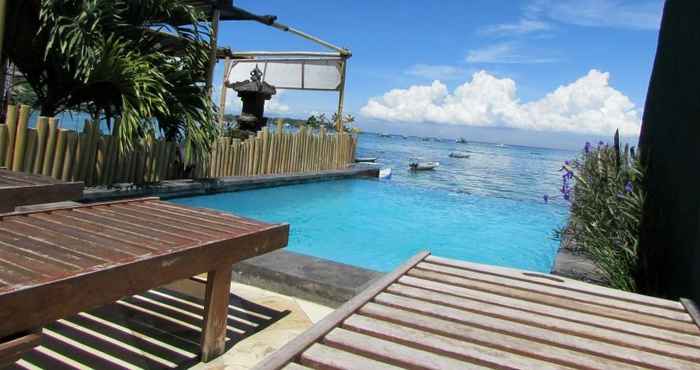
534	72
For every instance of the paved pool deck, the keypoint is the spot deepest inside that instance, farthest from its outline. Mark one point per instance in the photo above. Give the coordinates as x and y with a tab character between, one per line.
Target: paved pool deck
185	188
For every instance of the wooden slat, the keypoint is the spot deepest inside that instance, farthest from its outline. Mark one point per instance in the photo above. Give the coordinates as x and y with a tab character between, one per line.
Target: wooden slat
557	312
294	348
573	295
204	212
472	352
393	353
324	357
171	219
559	282
495	339
108	230
105	217
220	226
661	322
557	332
12	349
129	244
46	244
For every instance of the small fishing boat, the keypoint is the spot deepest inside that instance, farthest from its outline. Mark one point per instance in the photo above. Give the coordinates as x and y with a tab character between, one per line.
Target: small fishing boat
425	139
459	155
365	159
461	140
384	135
385	173
422	166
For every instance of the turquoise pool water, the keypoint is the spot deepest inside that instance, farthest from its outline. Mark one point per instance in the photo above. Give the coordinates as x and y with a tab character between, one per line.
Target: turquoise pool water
486	209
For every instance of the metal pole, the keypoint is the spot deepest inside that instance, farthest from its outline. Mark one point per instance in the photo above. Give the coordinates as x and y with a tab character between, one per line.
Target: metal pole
285	28
341	96
213	48
222	101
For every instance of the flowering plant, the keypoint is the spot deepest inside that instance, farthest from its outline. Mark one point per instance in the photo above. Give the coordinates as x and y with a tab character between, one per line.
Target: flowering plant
605	189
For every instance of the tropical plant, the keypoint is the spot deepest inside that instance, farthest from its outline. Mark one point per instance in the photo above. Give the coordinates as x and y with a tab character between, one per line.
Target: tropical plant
141	63
604	187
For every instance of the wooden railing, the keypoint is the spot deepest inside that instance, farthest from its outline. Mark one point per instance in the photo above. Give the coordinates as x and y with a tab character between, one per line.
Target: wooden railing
95	159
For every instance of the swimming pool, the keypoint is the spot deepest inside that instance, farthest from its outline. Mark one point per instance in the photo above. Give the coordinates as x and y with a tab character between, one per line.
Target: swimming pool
377	224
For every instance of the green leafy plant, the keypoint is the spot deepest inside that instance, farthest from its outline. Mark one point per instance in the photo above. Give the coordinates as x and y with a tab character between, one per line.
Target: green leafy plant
605	189
141	63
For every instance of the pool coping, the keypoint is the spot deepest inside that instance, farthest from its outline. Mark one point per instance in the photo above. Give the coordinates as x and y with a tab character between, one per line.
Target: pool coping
314	279
184	188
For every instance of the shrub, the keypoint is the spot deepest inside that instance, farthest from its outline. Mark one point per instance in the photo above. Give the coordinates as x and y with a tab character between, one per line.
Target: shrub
604	186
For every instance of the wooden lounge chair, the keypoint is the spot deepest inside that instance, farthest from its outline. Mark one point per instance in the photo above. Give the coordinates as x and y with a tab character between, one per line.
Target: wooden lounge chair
56	263
19	189
436	313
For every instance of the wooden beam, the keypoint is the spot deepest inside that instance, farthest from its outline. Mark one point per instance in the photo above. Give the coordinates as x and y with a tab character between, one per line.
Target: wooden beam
341	96
222	100
216	302
216	14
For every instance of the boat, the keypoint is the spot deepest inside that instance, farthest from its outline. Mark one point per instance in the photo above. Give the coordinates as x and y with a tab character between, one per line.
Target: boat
461	140
384	135
459	155
404	137
425	139
423	166
385	173
365	159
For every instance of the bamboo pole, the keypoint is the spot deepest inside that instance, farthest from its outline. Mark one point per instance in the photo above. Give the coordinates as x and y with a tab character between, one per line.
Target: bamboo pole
30	152
69	157
50	147
59	152
92	154
21	139
42	125
11	122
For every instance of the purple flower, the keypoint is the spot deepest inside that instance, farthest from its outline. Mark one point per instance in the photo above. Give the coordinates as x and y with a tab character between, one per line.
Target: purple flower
628	187
545	198
587	147
567	162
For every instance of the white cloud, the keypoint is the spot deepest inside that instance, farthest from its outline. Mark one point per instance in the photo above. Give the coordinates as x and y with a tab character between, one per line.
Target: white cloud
521	27
629	14
589	105
436	72
505	53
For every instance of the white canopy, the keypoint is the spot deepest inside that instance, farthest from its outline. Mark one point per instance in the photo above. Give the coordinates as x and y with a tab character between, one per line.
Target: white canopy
313	72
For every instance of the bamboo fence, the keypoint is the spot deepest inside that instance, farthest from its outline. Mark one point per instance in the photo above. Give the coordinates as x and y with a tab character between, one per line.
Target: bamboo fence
95	159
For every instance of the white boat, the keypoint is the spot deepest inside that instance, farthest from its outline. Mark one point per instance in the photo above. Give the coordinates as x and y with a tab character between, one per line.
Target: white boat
365	159
461	140
385	173
423	166
459	155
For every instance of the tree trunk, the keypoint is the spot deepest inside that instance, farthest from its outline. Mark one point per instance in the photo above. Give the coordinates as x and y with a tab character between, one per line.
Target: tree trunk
669	250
